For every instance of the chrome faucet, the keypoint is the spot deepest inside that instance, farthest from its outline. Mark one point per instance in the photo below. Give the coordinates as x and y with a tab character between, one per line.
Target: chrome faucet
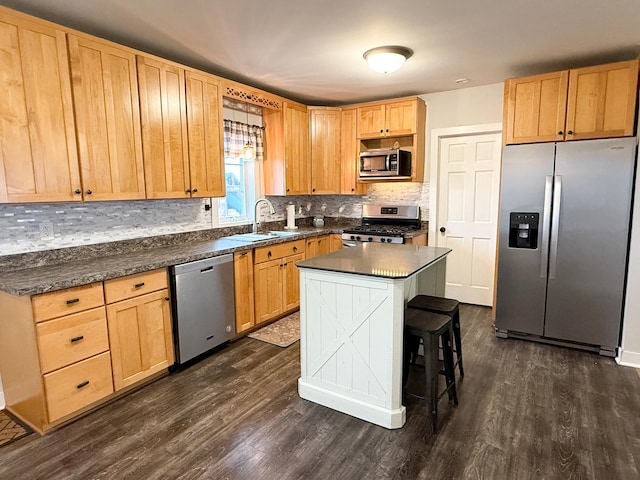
255	211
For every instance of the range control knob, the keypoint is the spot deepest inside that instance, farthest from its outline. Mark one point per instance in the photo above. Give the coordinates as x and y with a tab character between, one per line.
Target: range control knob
388	240
358	238
382	239
370	239
353	237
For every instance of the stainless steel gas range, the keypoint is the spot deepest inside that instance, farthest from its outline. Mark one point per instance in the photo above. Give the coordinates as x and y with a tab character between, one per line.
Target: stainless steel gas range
384	224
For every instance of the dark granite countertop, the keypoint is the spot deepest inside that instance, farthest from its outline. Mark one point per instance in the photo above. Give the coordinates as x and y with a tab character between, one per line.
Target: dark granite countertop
81	271
377	260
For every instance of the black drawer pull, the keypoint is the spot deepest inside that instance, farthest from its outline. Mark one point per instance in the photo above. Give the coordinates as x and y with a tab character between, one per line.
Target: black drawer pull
77	339
83	384
295	249
138	285
269	254
72	301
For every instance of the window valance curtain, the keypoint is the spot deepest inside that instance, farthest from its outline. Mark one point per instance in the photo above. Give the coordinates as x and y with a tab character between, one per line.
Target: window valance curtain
238	134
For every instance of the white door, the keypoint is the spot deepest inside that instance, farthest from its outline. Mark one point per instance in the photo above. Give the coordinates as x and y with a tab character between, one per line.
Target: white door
468	191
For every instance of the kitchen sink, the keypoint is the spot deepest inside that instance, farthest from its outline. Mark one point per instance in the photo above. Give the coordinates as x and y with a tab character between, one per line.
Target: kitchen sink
281	233
259	237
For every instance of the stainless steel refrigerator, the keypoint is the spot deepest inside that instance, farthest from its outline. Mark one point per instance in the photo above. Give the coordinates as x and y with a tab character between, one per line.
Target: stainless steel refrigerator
564	230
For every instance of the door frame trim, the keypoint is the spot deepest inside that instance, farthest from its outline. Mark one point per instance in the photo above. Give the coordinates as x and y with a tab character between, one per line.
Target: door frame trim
437	134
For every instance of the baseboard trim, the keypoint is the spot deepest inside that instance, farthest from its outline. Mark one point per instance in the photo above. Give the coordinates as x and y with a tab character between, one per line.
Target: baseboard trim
628	359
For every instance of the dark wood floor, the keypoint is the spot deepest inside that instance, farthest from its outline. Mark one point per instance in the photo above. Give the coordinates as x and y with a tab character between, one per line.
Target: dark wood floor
527	411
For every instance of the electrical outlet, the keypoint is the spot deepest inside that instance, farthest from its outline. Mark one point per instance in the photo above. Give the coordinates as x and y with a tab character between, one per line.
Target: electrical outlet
46	231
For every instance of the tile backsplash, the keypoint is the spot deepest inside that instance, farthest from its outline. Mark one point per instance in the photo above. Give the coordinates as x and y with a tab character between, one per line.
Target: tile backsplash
75	224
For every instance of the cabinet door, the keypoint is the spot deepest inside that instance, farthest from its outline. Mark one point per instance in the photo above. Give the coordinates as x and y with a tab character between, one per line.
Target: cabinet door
206	144
164	129
296	148
243	278
602	101
291	282
335	242
400	118
267	280
349	154
371	121
140	337
105	89
325	150
318	246
38	159
535	108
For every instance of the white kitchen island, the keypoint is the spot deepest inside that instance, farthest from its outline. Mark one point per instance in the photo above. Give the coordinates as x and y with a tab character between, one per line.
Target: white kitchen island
351	321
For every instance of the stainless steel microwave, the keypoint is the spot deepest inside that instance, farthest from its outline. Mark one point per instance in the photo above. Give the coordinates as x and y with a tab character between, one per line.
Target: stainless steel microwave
385	163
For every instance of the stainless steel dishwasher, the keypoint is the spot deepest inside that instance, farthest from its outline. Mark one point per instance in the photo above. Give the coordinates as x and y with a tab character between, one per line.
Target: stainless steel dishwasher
203	307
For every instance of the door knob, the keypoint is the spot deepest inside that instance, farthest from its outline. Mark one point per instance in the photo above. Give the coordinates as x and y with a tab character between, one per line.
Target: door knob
442	229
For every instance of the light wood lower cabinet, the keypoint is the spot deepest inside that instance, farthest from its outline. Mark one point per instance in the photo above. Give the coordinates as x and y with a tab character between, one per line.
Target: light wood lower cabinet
417	240
318	246
243	281
276	279
73	387
139	332
63	352
336	242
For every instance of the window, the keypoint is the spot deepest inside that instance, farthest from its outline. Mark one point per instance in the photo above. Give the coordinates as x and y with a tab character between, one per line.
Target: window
241	174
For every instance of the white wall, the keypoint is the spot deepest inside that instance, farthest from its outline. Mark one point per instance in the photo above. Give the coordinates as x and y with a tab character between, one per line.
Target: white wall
630	354
458	108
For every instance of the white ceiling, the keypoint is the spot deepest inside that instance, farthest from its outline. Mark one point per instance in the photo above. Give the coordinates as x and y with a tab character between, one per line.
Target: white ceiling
312	50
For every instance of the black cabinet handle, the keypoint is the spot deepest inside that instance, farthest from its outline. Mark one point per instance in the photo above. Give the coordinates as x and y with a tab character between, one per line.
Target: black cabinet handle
83	384
295	249
195	190
269	254
138	285
89	192
288	189
569	132
72	301
313	189
166	298
77	339
560	132
442	229
77	191
387	130
188	190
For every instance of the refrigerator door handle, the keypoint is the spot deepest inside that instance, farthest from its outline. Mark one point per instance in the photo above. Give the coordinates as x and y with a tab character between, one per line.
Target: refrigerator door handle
546	219
555	225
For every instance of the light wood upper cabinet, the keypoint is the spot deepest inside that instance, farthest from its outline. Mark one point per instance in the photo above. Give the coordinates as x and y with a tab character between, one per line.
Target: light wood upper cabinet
349	154
535	108
602	101
205	132
286	167
38	160
390	119
105	89
164	129
325	125
590	102
243	281
296	147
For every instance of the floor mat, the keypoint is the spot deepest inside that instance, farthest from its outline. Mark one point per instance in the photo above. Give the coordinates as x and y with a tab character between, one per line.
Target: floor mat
10	429
282	333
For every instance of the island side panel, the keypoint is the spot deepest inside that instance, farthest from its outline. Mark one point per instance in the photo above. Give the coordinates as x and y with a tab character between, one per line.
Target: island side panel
351	344
432	280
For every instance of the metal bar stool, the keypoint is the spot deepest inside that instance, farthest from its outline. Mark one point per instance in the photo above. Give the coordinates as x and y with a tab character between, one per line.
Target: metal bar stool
432	329
443	306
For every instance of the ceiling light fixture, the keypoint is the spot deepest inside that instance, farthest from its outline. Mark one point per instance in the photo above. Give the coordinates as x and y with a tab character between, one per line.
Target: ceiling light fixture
387	59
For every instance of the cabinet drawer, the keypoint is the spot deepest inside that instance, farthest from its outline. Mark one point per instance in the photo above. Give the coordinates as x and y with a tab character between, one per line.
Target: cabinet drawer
69	339
273	252
78	385
134	285
64	302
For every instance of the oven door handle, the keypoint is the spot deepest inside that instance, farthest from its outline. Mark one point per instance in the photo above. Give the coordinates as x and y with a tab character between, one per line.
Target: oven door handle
349	244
